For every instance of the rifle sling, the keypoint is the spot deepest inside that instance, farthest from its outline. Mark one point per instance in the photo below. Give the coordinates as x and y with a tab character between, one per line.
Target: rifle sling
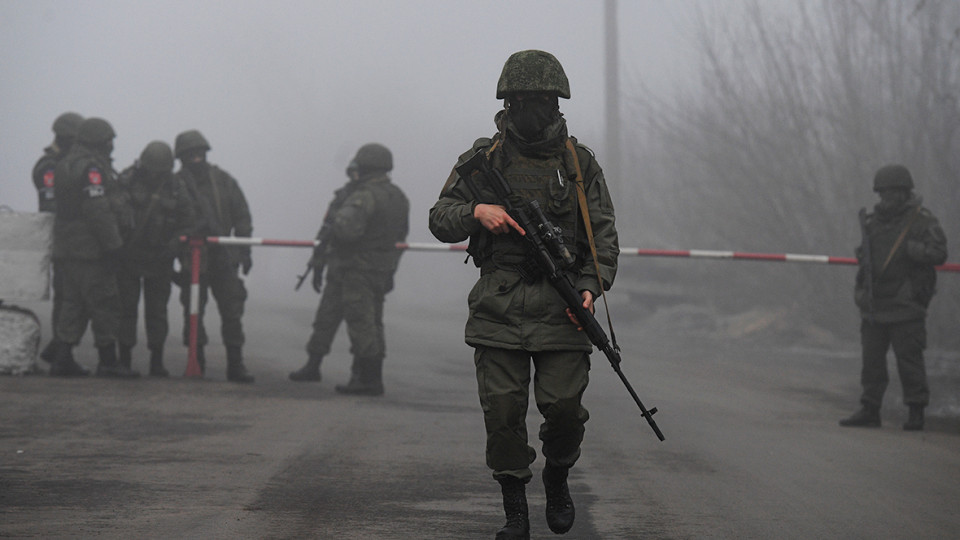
585	214
154	197
896	245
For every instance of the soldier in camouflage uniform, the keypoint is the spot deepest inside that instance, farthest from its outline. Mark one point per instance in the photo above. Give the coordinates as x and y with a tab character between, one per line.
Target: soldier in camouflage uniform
86	245
363	224
161	212
65	133
221	210
905	243
516	317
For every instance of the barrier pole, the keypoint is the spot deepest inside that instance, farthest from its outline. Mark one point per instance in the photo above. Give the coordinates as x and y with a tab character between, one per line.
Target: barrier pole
193	366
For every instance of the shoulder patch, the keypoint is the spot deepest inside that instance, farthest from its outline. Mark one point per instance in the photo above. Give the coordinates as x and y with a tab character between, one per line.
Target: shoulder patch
48	178
94	186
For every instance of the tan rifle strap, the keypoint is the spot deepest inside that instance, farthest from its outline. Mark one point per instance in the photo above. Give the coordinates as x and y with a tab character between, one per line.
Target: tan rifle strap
585	214
896	245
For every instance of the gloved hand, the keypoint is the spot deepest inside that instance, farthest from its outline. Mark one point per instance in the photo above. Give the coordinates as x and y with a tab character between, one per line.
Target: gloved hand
318	279
246	263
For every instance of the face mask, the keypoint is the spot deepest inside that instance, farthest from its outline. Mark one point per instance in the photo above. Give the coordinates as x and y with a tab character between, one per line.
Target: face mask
532	115
892	199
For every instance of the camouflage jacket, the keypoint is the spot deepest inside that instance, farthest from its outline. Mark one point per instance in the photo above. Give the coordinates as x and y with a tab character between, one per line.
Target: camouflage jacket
367	219
159	213
904	286
86	224
506	310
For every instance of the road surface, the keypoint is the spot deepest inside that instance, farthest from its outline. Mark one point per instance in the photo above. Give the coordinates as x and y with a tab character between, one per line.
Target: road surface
752	449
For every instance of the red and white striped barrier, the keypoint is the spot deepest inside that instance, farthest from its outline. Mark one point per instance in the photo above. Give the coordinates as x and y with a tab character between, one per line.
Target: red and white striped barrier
193	367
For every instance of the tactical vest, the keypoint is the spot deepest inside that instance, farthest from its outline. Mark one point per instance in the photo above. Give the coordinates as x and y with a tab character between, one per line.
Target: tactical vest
550	181
391	224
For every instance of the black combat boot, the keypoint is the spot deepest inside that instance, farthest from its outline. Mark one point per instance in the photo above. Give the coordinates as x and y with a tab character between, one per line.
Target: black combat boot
109	365
236	371
867	416
126	356
49	353
365	378
915	420
310	371
156	363
63	364
515	508
560	511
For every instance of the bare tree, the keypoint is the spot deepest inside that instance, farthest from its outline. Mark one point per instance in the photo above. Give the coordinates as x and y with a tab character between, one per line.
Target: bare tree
776	148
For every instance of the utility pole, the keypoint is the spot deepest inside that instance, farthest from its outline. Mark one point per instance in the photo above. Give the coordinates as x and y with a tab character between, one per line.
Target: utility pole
613	136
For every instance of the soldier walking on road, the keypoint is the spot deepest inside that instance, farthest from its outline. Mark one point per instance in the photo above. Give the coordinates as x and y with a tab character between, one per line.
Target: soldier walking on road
221	210
65	133
366	219
86	245
516	316
161	212
902	243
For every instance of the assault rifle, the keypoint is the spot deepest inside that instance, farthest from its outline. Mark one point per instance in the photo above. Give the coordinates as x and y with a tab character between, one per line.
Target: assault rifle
866	263
317	261
544	243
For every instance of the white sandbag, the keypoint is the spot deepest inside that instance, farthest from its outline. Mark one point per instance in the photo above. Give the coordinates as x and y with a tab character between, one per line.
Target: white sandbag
26	241
19	340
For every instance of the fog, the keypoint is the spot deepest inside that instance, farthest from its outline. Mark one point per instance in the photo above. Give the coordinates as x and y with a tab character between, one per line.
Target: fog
286	91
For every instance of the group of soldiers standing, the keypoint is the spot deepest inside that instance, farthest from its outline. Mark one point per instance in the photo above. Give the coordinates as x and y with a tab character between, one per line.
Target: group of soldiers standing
117	235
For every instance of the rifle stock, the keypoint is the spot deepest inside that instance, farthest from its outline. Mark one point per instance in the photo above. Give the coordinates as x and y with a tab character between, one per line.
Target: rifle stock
545	244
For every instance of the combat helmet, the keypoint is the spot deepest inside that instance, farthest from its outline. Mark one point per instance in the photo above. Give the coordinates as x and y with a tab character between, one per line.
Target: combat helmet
190	140
67	124
892	176
533	71
95	132
157	157
373	157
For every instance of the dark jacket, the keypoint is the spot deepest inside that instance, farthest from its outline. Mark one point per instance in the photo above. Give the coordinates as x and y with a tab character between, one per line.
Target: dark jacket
86	224
904	285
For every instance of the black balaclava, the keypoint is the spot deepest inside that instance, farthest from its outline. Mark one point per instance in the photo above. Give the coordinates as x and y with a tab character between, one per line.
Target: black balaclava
533	114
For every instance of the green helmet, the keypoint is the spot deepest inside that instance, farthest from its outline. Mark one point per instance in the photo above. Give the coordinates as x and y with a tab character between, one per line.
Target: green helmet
533	71
892	176
95	132
374	157
67	124
190	140
157	157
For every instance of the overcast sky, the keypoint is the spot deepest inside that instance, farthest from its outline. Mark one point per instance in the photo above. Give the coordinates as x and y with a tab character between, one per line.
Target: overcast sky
286	91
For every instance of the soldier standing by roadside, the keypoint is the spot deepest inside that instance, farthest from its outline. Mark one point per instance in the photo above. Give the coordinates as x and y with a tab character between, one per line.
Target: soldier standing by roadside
86	245
161	212
902	243
361	228
221	210
65	133
516	316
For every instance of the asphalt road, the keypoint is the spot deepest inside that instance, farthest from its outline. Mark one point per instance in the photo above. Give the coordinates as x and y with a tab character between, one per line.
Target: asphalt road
752	449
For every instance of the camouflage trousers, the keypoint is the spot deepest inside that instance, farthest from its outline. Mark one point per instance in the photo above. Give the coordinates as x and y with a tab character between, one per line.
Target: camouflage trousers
89	294
155	285
559	381
357	298
222	280
908	339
